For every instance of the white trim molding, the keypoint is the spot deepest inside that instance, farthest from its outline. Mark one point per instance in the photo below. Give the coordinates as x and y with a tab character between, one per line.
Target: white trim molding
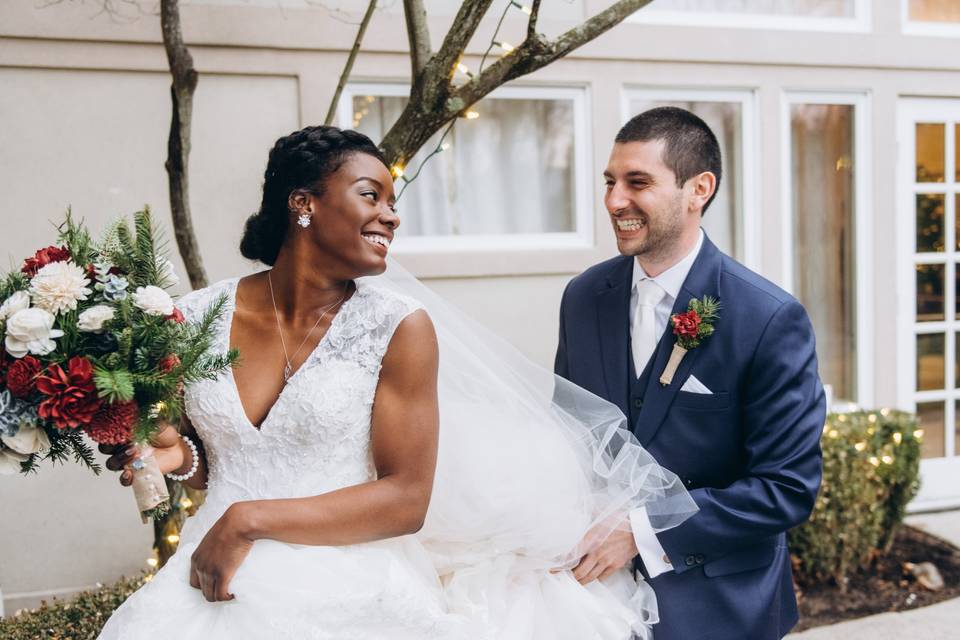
580	239
860	22
863	224
747	228
939	488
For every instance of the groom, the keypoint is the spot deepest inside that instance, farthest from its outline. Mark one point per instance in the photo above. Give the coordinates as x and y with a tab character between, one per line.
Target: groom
740	422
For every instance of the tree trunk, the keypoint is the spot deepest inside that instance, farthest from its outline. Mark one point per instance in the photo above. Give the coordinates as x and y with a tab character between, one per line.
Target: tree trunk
182	88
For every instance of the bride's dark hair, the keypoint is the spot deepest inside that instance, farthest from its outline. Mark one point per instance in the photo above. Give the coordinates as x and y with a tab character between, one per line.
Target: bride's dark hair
303	161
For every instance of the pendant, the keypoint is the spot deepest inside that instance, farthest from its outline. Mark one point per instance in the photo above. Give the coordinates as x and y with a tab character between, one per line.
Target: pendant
287	372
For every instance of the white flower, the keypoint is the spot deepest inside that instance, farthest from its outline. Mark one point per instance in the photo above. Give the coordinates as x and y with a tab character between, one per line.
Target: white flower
153	300
31	331
17	302
10	461
168	275
93	319
59	286
30	439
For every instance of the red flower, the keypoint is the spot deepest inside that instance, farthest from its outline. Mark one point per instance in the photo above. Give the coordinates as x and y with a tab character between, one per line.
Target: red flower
686	325
71	395
22	376
42	258
169	363
113	423
176	316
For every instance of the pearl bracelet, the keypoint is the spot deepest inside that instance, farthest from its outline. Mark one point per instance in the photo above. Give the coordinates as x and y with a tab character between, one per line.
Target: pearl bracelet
193	467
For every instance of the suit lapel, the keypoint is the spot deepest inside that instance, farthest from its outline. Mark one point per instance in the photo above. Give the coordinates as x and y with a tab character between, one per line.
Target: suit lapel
703	280
613	322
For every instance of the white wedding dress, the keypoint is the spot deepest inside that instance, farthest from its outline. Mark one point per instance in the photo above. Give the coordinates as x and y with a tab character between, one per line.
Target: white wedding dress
490	582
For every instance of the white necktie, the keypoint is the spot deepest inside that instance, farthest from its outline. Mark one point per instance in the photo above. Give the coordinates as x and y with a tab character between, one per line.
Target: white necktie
643	338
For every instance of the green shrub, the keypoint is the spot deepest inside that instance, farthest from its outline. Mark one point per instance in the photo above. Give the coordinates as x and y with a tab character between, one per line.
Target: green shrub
80	618
871	466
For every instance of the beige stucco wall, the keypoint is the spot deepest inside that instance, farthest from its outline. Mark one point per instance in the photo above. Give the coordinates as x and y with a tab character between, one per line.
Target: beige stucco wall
84	112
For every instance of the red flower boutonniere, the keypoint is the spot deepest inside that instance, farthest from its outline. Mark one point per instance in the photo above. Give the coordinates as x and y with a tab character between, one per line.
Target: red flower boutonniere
690	328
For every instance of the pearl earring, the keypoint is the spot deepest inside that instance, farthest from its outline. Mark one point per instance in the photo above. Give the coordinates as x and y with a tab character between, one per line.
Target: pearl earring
304	220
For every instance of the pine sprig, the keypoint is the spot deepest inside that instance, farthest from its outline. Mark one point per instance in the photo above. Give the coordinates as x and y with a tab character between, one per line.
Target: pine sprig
13	282
76	238
145	264
707	308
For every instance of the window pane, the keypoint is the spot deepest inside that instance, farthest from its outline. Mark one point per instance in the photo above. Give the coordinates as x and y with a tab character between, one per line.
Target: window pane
930	362
509	171
930	208
722	221
815	8
931	417
823	219
935	10
930	292
931	149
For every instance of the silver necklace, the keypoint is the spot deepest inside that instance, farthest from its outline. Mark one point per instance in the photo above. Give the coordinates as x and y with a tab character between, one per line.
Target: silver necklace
288	368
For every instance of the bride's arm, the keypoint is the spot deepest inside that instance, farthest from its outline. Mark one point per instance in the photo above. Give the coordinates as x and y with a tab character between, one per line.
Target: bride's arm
404	441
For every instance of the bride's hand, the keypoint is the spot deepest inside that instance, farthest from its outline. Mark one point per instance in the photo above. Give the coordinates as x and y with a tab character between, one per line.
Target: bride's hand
166	448
220	554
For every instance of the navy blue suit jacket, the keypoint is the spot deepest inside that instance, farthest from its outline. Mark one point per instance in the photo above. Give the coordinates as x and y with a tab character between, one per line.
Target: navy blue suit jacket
749	453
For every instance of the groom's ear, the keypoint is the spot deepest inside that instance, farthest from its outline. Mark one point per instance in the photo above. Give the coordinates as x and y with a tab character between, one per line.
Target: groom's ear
701	188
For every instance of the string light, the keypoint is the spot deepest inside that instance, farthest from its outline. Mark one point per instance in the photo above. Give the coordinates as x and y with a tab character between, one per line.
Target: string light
885	412
396	171
186	503
148	577
471	115
445	146
464	69
860	446
887	460
898	437
173	538
153	562
918	434
506	46
527	10
874	461
834	434
872	417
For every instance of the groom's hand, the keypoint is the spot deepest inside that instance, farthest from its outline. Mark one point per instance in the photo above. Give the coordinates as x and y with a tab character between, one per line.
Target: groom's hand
614	553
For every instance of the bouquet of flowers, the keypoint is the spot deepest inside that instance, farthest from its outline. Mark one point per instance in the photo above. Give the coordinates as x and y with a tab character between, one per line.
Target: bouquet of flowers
94	347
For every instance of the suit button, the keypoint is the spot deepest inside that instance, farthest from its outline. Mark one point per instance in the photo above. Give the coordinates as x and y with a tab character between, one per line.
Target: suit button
637	403
690	561
699	558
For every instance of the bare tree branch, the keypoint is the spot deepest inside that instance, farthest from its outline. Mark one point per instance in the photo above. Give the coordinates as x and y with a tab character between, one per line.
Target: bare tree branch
537	52
182	88
532	22
418	34
433	83
348	67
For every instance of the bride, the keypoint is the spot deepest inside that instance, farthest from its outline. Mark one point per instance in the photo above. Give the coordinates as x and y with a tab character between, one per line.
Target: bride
376	472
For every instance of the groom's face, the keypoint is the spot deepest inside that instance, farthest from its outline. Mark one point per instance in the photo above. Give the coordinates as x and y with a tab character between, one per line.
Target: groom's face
645	204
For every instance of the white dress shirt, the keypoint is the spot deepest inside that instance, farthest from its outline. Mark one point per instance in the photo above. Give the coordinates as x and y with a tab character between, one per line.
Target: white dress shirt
651	551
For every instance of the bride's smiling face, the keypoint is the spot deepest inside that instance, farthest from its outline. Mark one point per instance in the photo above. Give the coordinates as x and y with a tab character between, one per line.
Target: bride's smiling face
353	219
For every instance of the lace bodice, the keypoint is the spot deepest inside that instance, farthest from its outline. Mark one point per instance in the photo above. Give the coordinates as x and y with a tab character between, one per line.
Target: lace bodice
316	438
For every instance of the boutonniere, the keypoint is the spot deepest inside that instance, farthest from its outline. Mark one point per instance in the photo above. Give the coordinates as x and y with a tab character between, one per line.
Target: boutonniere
691	328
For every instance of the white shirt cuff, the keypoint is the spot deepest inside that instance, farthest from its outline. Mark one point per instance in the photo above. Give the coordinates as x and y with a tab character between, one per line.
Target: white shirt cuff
654	558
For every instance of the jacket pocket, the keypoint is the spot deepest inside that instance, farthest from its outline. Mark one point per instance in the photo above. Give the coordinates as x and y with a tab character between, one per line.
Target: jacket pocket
745	560
702	401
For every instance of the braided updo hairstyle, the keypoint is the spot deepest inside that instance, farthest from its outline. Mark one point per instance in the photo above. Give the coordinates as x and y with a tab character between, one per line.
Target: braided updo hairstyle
303	161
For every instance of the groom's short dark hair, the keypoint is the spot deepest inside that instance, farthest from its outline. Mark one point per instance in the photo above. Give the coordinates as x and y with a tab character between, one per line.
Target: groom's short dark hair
690	147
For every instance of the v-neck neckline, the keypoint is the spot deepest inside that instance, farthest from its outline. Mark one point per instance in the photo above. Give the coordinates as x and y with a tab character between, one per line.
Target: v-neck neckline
228	321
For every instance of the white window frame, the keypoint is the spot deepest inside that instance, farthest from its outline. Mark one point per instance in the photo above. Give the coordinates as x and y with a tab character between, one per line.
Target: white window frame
863	206
861	22
581	238
939	487
747	99
922	28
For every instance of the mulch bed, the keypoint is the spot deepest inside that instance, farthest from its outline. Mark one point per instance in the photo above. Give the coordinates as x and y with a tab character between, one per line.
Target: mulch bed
888	587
